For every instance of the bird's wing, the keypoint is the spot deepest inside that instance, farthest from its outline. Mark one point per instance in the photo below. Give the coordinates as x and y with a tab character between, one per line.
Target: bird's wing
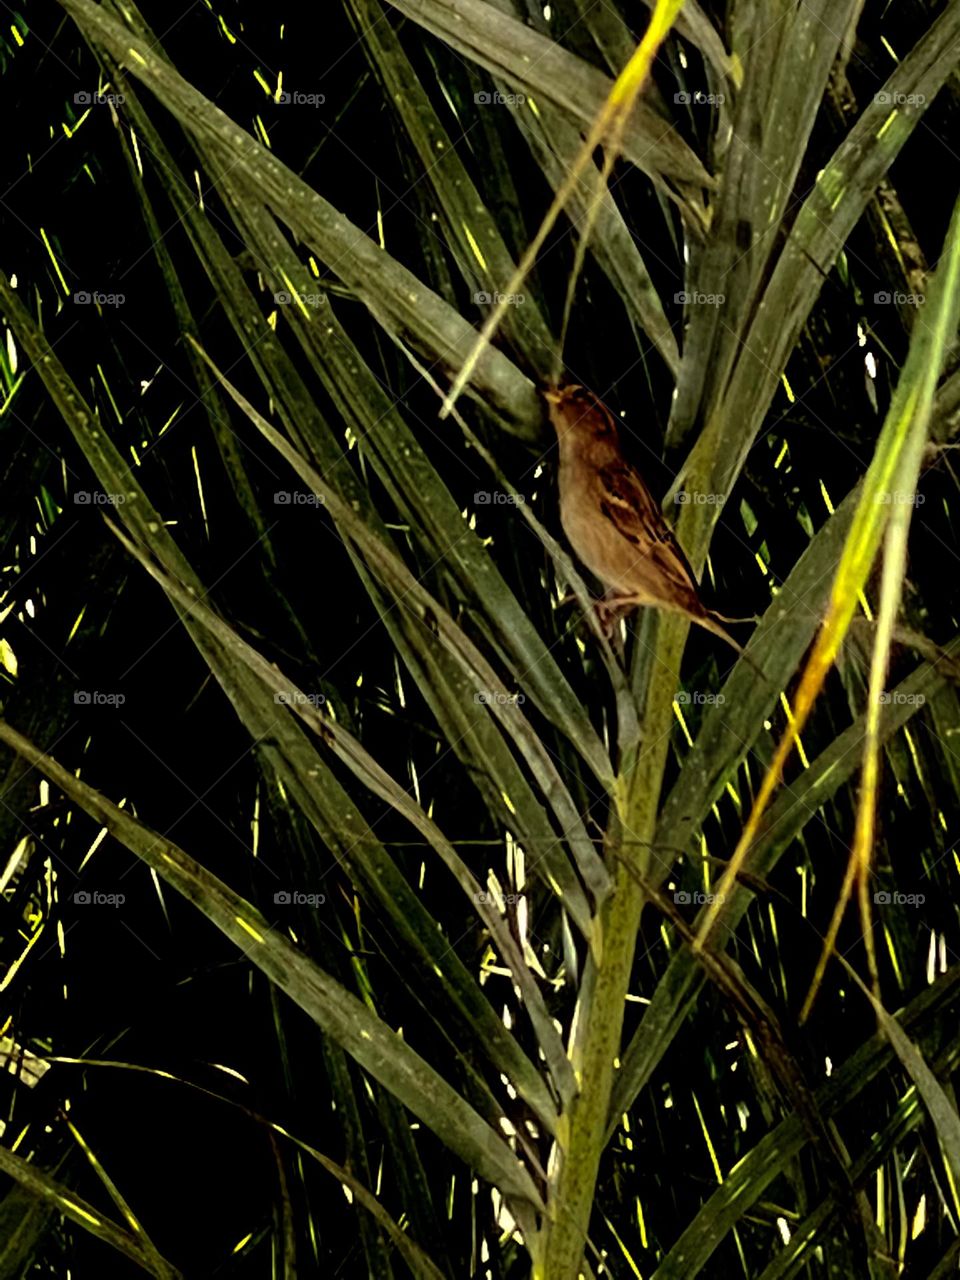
627	503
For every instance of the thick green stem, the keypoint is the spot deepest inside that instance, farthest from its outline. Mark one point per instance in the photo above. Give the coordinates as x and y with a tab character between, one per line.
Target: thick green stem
581	1133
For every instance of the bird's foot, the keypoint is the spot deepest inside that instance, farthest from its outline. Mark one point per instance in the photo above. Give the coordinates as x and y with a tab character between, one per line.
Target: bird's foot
610	610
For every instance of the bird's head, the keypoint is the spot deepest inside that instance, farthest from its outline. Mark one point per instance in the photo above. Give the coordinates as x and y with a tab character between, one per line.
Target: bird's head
579	418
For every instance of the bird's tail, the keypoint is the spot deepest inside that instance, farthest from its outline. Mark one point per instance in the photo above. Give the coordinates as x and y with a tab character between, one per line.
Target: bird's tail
713	622
697	613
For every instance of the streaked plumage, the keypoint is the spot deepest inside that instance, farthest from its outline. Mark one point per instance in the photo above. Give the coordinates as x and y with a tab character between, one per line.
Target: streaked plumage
611	519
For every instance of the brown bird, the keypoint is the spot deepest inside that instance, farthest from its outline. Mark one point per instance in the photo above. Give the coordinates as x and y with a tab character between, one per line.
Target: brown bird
612	521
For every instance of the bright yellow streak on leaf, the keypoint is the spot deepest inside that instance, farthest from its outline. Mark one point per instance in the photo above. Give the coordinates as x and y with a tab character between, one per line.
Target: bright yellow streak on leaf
606	130
106	386
711	1151
8	659
893	470
136	152
785	703
53	259
248	928
919	1219
642	1225
82	1212
474	246
101	1173
892	953
683	724
626	1252
203	504
11	973
891	237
